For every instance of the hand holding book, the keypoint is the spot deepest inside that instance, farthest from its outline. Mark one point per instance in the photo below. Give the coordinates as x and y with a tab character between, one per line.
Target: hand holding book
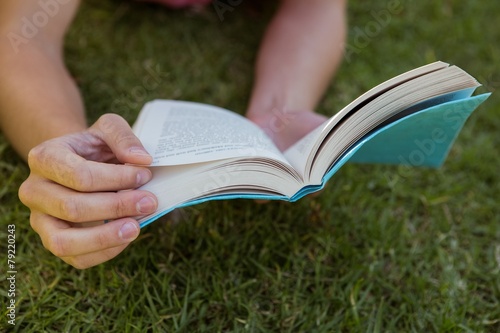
221	155
79	180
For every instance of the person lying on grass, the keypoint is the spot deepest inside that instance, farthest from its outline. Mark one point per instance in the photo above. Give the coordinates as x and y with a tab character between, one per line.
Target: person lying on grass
78	171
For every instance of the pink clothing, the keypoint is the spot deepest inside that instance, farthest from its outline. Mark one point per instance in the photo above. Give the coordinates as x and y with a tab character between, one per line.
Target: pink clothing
180	3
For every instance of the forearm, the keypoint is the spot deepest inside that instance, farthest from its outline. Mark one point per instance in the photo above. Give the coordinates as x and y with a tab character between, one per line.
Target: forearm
38	98
298	57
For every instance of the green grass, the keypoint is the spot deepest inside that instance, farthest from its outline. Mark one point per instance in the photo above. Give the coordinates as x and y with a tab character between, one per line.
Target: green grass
381	250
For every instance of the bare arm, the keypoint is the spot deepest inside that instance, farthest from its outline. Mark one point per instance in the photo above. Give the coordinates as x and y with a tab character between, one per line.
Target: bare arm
77	173
298	57
36	91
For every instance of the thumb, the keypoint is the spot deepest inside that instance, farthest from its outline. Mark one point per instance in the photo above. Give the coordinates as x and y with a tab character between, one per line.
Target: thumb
117	134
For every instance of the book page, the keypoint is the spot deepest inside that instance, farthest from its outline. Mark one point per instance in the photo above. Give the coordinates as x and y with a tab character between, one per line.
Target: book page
175	133
298	153
302	153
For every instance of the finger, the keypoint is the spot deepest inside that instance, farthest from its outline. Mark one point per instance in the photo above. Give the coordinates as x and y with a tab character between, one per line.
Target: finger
39	221
93	259
68	205
63	166
118	135
64	241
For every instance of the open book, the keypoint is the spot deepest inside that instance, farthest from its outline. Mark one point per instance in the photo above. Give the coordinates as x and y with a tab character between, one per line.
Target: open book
202	152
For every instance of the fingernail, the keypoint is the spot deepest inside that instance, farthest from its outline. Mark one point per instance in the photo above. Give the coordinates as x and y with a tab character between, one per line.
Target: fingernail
128	231
143	176
146	205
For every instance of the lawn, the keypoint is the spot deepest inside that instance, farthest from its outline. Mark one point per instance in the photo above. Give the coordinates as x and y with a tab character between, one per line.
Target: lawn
380	250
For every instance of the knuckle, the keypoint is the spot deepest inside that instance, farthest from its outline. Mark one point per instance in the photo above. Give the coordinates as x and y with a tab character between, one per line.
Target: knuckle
34	223
78	263
25	192
56	244
126	139
122	206
70	210
109	118
103	241
36	156
125	177
107	123
82	179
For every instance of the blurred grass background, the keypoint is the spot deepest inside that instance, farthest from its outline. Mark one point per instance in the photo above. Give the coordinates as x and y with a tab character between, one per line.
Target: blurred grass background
378	251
